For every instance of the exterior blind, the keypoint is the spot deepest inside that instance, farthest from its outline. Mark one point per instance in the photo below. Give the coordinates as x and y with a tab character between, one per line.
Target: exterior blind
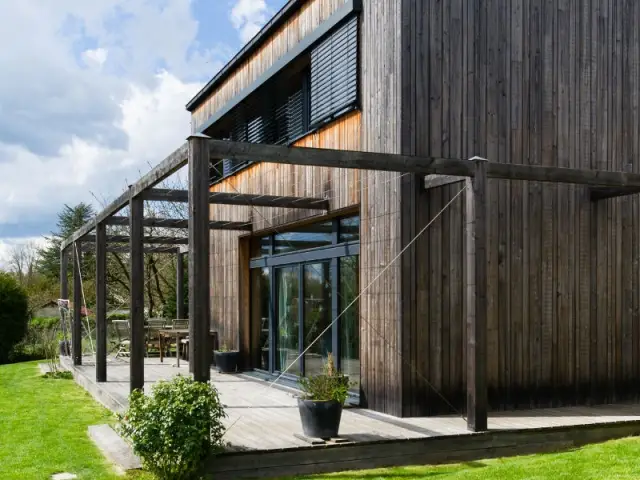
334	73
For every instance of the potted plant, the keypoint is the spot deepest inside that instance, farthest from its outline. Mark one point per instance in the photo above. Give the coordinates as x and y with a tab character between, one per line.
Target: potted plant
226	360
321	402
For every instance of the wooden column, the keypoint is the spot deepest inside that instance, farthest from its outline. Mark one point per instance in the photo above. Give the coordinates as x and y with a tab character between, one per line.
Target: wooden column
136	246
76	329
64	280
64	289
199	276
180	285
476	298
101	302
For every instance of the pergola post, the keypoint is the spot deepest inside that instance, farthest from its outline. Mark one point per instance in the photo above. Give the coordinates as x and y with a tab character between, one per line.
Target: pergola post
64	289
76	329
136	275
199	280
476	297
101	302
180	285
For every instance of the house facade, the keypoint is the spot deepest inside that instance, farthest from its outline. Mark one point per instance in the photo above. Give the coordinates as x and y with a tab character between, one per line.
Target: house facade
520	81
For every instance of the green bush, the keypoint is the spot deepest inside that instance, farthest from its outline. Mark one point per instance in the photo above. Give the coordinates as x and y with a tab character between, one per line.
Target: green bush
14	315
118	316
331	384
174	428
47	323
34	343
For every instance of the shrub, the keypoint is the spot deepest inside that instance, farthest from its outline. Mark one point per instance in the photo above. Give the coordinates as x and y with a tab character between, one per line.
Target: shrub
34	343
174	428
44	322
14	315
329	385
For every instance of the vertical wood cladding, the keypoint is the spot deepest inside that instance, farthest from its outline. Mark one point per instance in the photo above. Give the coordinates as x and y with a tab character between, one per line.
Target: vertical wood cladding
380	305
305	21
539	82
340	186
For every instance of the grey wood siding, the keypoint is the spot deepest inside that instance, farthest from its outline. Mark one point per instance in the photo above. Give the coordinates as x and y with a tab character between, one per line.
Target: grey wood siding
380	208
540	82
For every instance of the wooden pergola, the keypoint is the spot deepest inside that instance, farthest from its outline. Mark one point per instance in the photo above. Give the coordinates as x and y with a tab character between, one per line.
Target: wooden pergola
200	150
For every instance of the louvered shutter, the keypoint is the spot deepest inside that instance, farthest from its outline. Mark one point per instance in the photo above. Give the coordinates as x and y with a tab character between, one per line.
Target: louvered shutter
334	73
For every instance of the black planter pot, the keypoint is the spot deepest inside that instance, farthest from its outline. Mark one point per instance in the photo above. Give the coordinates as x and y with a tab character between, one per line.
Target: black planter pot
320	419
227	362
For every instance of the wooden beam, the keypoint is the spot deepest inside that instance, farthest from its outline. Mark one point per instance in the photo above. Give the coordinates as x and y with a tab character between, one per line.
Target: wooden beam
164	169
413	164
434	181
136	275
199	246
476	298
225	198
602	193
180	223
125	249
145	240
180	285
76	328
101	303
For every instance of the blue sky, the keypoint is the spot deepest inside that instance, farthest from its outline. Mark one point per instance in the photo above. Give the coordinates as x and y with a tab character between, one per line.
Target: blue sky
86	84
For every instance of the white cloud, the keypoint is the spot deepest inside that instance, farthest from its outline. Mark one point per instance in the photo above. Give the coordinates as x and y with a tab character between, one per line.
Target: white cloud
94	94
154	122
7	246
95	57
248	17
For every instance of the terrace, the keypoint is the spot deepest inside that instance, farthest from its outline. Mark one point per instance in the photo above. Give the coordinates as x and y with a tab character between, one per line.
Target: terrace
265	435
263	421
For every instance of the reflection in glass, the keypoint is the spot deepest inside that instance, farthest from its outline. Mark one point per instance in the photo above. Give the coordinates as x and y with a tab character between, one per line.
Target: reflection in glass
317	316
260	247
260	315
350	320
287	293
350	229
303	238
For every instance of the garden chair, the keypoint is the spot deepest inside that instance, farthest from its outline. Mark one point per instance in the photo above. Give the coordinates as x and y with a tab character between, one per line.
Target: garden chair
154	325
123	335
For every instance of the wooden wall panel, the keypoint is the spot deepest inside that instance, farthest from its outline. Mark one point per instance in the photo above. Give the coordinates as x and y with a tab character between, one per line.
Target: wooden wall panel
340	186
540	82
305	21
380	332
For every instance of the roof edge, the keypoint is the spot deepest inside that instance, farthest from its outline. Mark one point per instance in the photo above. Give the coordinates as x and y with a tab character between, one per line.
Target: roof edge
256	42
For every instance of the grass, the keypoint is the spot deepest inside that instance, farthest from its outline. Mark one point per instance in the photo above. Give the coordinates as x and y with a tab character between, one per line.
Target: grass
43	427
617	459
43	430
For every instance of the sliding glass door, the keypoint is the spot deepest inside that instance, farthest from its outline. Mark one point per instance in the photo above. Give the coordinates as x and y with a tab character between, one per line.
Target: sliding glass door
316	316
287	319
305	288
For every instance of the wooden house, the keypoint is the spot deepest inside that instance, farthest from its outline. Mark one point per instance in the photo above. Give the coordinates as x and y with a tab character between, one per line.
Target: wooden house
518	82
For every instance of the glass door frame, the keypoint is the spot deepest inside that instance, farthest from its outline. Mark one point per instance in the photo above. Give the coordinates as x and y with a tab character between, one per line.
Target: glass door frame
331	253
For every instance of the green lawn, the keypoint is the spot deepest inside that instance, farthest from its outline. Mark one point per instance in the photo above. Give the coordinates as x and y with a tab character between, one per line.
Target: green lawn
43	427
43	430
618	459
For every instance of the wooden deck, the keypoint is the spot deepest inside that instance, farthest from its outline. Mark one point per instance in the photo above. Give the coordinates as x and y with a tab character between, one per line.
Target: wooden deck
264	427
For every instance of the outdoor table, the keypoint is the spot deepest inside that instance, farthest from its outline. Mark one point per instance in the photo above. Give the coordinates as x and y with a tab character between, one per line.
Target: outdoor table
179	333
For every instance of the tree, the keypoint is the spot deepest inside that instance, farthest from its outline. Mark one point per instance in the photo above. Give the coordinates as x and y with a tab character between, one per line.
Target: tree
14	315
22	263
69	220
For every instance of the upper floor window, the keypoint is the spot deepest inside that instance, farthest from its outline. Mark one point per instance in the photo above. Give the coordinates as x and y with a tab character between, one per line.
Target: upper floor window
310	91
334	73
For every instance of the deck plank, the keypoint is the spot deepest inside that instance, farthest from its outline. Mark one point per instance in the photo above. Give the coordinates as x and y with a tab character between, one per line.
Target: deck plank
262	417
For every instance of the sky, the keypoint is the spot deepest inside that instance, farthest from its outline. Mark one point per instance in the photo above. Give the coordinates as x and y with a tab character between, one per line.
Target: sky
93	94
